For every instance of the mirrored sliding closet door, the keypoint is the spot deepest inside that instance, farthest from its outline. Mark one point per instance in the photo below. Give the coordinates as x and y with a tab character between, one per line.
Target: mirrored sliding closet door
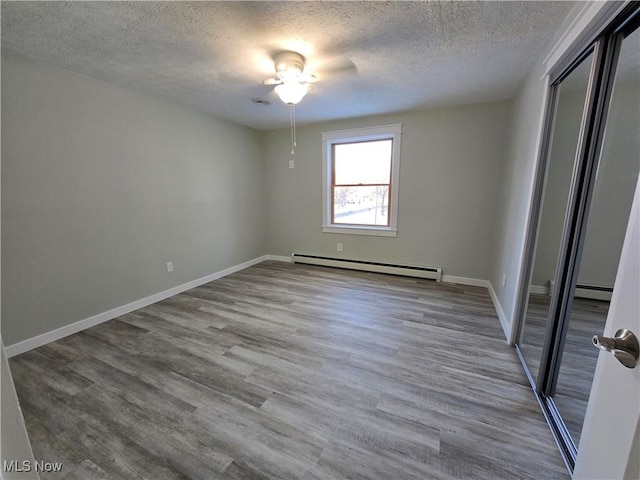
589	167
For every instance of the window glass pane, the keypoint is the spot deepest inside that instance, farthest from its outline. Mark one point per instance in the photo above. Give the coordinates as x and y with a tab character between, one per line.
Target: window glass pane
361	205
363	162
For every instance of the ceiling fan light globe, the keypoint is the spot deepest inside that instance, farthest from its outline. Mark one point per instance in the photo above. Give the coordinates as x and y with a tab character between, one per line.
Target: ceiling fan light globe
291	92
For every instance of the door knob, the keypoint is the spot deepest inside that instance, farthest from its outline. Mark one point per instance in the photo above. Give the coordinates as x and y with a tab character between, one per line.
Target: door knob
623	345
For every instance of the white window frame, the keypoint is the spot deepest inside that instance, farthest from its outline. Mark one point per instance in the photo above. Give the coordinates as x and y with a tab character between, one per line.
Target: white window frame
385	132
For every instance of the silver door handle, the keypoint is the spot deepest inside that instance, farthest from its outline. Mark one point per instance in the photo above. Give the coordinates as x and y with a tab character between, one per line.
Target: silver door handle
623	345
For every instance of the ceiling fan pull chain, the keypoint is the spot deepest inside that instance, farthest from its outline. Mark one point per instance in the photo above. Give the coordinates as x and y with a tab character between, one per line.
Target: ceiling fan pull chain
293	134
295	139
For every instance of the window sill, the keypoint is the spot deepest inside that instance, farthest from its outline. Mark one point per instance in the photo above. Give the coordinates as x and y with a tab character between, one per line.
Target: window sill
354	230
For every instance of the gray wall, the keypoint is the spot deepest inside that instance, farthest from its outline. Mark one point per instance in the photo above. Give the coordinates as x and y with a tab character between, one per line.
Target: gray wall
101	186
14	440
515	191
452	163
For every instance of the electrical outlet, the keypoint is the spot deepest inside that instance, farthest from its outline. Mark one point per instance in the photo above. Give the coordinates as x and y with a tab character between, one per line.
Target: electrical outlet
291	164
504	279
169	266
339	247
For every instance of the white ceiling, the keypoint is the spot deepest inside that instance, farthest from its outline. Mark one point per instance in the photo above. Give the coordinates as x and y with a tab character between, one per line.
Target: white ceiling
370	57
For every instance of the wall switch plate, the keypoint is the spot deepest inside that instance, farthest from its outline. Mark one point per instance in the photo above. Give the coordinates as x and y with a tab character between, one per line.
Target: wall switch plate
169	266
339	247
291	164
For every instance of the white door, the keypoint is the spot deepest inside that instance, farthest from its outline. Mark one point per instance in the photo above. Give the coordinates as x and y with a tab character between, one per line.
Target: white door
610	441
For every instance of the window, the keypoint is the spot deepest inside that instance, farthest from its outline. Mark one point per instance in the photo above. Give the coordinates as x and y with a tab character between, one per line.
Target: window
360	180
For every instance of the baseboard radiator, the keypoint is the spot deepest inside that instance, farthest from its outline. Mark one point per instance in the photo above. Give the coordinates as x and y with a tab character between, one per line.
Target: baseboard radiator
433	273
595	292
583	290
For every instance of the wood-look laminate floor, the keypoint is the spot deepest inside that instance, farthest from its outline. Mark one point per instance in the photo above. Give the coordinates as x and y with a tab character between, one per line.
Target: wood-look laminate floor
286	371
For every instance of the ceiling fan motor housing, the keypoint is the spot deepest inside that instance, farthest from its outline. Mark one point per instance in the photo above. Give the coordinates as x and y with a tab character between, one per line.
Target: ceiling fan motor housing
289	65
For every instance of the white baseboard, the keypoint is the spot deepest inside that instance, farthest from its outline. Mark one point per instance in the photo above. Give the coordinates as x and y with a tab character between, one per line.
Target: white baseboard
57	334
475	282
279	258
504	321
539	290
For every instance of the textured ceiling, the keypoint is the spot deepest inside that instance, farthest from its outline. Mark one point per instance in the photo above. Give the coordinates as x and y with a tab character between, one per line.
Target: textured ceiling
370	57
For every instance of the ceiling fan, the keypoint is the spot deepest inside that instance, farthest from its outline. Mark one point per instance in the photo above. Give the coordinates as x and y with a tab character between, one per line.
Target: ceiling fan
292	82
293	79
289	66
